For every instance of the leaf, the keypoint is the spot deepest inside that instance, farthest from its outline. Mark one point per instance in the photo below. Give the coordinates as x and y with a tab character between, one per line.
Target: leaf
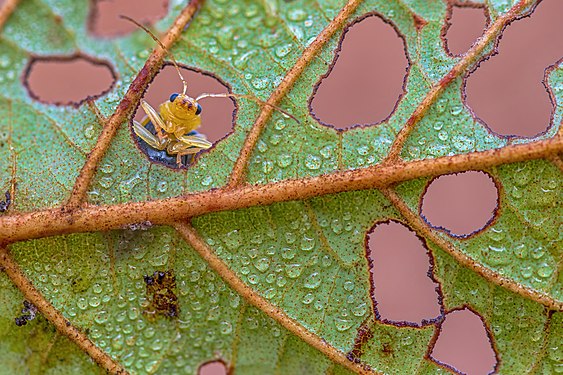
255	254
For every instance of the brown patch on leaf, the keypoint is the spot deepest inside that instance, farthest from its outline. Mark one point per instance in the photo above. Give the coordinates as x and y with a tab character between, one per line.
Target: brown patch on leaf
161	294
364	335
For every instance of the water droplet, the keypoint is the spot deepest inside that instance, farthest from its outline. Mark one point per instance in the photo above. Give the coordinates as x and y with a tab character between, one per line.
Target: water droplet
441	105
290	237
207	180
260	83
336	226
308	298
526	271
360	310
307	243
282	51
349	286
107	168
463	143
287	253
312	162
270	293
326	152
90	132
545	270
297	14
101	317
342	324
267	166
4	61
456	110
313	281
225	328
280	124
407	340
496	256
293	270
82	303
143	54
284	160
233	239
363	150
162	186
443	136
262	264
537	252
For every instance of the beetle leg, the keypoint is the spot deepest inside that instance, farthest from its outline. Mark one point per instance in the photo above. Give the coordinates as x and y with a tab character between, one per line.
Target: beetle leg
157	121
148	137
195	141
187	145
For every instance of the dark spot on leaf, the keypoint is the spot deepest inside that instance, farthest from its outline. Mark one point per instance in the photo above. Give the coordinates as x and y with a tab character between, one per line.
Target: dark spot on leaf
460	204
386	349
104	20
161	294
464	343
367	77
510	92
404	290
5	204
29	312
465	23
217	116
68	80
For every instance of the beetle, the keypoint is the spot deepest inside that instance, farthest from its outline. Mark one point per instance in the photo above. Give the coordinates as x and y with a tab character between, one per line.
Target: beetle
177	119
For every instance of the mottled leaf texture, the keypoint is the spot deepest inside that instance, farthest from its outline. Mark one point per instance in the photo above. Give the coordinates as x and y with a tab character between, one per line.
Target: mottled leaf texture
255	255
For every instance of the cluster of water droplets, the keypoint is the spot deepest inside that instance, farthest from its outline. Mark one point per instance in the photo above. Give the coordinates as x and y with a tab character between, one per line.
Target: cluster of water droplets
289	264
7	71
528	251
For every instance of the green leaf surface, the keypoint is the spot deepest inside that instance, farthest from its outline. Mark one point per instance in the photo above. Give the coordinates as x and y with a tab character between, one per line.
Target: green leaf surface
306	258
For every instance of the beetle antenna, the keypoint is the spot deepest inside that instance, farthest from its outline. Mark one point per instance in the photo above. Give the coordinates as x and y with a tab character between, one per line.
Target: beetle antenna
229	95
161	46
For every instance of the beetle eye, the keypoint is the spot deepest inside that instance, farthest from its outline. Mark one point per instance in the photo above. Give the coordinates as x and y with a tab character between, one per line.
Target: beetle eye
173	96
198	110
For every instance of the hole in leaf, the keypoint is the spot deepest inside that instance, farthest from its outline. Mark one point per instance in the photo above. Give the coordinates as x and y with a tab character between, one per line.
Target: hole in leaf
217	115
508	92
213	368
464	344
465	23
461	204
404	291
367	77
68	80
104	18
